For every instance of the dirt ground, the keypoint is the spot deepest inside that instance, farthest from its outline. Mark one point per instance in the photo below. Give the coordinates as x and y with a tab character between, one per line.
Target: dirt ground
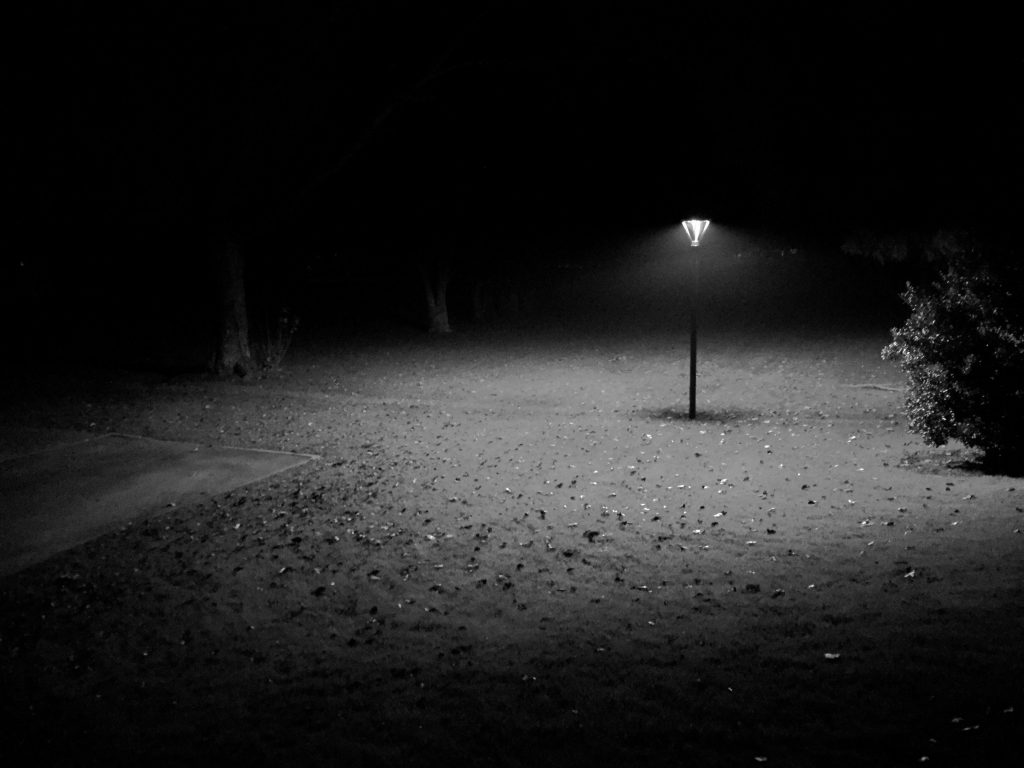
515	550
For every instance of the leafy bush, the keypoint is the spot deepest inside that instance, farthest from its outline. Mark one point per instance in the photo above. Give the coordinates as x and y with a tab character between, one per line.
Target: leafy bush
962	349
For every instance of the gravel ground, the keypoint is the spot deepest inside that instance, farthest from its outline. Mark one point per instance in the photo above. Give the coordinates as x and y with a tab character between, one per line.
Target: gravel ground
514	550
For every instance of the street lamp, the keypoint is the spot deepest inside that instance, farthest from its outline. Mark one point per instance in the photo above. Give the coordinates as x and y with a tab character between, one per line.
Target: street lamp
695	229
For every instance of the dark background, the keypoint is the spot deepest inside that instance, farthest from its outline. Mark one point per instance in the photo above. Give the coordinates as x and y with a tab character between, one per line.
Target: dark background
346	145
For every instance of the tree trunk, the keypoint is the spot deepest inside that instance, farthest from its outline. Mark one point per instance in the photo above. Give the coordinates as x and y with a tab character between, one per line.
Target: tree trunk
435	285
509	298
478	297
233	355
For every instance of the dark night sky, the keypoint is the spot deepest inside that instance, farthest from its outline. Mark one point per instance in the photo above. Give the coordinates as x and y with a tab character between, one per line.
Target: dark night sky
135	140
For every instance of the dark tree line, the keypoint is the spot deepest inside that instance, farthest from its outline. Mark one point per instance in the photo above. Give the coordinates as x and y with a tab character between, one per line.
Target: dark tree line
160	142
170	152
162	157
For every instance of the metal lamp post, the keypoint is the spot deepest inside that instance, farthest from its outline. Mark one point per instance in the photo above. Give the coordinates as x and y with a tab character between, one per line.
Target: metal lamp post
695	229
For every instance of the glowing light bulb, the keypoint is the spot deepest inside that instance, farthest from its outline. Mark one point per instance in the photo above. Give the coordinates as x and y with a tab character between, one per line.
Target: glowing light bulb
695	229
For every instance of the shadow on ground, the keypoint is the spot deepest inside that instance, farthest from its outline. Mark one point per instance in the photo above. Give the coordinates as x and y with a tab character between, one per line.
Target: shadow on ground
704	416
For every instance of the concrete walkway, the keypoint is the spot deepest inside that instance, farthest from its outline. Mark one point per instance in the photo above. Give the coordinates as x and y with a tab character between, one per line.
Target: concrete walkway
60	497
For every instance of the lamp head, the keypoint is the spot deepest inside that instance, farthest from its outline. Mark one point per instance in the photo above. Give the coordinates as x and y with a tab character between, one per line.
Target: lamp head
695	229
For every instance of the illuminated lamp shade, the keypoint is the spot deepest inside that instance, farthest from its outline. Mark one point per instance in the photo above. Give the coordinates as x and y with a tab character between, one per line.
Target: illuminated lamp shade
695	229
